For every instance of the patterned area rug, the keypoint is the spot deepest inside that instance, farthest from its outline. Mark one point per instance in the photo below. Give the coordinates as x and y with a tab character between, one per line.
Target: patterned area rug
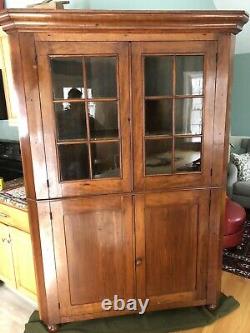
237	259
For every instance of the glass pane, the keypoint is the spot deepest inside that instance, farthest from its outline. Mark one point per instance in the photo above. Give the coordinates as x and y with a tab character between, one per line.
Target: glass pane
188	116
189	75
158	75
158	156
74	162
67	78
103	119
158	116
188	154
71	121
105	160
101	77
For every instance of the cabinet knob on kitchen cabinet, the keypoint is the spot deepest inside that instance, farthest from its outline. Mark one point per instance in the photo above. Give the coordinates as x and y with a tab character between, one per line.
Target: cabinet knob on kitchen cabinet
138	261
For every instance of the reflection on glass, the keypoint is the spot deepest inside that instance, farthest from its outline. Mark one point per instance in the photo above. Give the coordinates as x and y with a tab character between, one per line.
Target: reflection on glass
158	116
74	162
67	75
158	75
101	76
103	119
189	75
158	155
188	116
188	154
105	160
70	120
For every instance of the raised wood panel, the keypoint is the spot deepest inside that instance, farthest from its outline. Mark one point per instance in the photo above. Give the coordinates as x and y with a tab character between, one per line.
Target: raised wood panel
171	239
93	240
167	229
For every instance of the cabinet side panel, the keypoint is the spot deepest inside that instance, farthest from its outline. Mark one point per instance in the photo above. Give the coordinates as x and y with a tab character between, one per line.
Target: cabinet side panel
216	224
33	115
16	85
42	242
222	109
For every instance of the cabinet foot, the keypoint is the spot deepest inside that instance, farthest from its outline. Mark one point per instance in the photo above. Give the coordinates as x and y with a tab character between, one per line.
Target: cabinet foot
52	328
1	283
212	307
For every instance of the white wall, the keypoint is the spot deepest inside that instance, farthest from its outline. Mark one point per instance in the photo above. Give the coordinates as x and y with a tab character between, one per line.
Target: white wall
243	39
124	4
8	132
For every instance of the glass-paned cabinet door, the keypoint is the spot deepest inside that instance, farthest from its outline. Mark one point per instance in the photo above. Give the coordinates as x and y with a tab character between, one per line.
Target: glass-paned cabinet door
173	113
84	100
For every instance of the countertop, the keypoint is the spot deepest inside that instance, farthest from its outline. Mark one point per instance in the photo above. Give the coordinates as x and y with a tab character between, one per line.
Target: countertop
14	194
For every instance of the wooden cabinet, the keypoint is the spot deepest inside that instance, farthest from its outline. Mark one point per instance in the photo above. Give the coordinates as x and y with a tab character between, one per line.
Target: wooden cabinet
95	251
17	265
23	262
7	272
171	246
124	140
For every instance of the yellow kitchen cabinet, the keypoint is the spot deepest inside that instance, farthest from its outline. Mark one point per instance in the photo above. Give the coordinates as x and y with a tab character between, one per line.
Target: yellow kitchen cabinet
7	272
23	262
5	66
16	256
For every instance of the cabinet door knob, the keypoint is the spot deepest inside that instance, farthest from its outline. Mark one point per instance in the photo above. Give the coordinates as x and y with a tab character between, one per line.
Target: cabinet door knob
138	261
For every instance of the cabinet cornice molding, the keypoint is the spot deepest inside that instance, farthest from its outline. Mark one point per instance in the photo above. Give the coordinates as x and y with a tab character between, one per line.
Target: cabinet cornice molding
80	20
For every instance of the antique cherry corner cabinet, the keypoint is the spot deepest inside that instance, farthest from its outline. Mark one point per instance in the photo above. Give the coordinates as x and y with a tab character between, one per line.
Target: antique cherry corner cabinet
124	137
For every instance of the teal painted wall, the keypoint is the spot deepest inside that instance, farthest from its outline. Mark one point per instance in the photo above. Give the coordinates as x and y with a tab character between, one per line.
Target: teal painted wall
143	4
240	118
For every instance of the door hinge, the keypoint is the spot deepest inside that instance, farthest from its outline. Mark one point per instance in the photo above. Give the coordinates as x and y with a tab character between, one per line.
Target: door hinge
217	57
50	215
211	172
210	202
59	305
48	184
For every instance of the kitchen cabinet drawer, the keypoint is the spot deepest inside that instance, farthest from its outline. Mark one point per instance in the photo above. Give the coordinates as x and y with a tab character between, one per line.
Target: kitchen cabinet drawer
14	217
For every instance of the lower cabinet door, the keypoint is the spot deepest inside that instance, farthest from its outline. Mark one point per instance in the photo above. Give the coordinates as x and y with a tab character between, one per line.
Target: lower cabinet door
7	273
93	243
171	247
23	262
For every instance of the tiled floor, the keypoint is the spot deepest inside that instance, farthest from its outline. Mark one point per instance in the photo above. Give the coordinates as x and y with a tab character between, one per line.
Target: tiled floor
14	311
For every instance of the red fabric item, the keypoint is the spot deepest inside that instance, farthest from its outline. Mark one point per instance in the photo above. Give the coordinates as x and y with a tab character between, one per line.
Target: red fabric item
235	217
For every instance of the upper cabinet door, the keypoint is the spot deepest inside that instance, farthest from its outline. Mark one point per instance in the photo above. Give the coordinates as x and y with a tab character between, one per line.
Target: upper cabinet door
84	91
173	108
